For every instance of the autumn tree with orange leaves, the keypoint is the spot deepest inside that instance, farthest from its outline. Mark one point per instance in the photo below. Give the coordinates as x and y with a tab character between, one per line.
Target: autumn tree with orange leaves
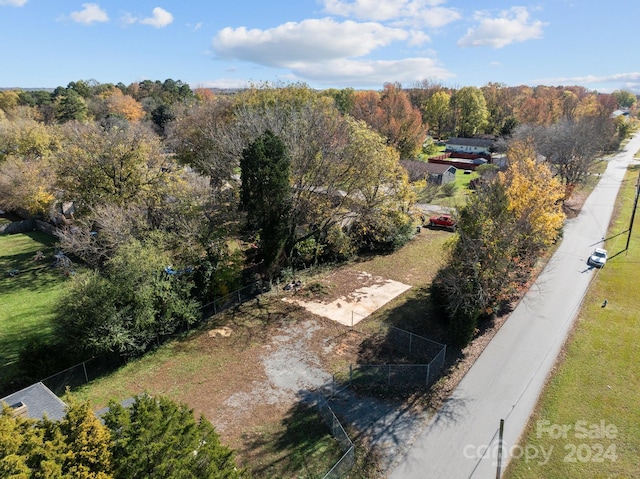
392	115
124	105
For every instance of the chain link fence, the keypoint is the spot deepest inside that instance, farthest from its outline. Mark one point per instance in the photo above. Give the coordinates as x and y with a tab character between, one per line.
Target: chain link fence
93	368
234	299
414	346
427	360
346	462
430	353
81	373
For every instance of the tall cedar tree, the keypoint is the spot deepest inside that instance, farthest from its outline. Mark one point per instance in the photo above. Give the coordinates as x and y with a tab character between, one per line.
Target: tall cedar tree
157	438
266	195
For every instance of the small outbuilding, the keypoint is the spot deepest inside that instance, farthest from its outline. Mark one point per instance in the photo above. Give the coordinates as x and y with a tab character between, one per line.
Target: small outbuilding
36	402
434	173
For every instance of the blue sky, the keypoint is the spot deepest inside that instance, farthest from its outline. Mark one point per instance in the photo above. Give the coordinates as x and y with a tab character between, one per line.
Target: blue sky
323	43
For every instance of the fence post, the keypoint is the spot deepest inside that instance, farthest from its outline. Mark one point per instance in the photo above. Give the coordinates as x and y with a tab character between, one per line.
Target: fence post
84	367
410	342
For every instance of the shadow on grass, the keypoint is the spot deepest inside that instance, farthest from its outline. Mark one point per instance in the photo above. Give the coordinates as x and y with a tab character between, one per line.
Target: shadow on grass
22	270
300	446
413	312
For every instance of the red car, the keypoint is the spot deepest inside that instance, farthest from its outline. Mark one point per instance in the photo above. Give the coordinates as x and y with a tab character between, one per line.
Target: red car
443	221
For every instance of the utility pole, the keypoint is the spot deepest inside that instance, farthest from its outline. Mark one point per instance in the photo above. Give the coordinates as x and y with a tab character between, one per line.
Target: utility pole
633	213
500	438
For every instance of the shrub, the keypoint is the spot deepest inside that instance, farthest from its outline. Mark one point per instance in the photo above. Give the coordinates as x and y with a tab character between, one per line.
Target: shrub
383	232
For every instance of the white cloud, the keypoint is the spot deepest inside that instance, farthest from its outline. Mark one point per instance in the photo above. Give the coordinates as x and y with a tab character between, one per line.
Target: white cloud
371	72
90	13
329	52
160	18
417	13
417	37
616	77
128	19
308	41
629	81
223	83
512	25
13	3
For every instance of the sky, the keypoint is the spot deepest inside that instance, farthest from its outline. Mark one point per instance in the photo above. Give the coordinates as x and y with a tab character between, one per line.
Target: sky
361	44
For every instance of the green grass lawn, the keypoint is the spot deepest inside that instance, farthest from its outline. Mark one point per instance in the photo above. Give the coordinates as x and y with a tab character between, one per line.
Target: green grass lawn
597	384
26	299
459	198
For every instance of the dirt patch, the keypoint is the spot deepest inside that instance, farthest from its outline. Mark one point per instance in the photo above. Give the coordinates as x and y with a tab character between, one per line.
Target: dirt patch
281	352
223	332
372	293
573	205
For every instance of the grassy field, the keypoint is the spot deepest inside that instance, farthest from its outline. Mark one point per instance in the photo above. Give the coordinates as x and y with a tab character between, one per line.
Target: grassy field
594	394
462	190
204	374
26	299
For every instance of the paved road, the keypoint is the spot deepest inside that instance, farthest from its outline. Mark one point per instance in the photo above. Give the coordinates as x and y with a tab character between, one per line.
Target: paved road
507	378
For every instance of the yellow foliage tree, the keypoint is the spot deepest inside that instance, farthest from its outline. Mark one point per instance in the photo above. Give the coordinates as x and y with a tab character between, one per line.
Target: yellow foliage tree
534	195
27	185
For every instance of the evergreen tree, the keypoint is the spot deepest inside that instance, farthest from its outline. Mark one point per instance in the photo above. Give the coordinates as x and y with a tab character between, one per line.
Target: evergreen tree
266	194
86	443
157	438
77	447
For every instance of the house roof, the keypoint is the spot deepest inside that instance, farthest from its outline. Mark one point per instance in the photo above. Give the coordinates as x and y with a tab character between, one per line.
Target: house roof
419	170
617	113
439	169
39	400
480	142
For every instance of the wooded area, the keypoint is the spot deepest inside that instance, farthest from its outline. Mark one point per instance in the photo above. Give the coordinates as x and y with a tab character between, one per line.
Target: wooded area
226	188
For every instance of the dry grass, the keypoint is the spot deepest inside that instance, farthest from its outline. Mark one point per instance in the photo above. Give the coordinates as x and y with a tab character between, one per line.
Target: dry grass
224	376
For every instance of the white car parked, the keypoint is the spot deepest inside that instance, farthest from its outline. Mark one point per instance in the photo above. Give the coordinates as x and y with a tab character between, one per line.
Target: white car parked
598	258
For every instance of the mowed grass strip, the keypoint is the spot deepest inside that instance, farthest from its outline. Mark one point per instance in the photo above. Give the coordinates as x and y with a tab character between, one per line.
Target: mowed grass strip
588	418
28	297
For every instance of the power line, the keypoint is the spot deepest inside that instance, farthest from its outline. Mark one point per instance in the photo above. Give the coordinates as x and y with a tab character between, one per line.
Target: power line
633	213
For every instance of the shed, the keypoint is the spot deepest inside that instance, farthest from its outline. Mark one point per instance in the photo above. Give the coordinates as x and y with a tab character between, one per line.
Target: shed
435	173
35	402
441	174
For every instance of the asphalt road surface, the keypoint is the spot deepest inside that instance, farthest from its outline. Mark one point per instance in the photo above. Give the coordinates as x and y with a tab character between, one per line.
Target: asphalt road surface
461	441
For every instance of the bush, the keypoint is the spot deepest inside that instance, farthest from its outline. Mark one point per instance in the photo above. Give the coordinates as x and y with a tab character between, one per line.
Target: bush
453	299
448	189
337	246
41	358
382	232
130	306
